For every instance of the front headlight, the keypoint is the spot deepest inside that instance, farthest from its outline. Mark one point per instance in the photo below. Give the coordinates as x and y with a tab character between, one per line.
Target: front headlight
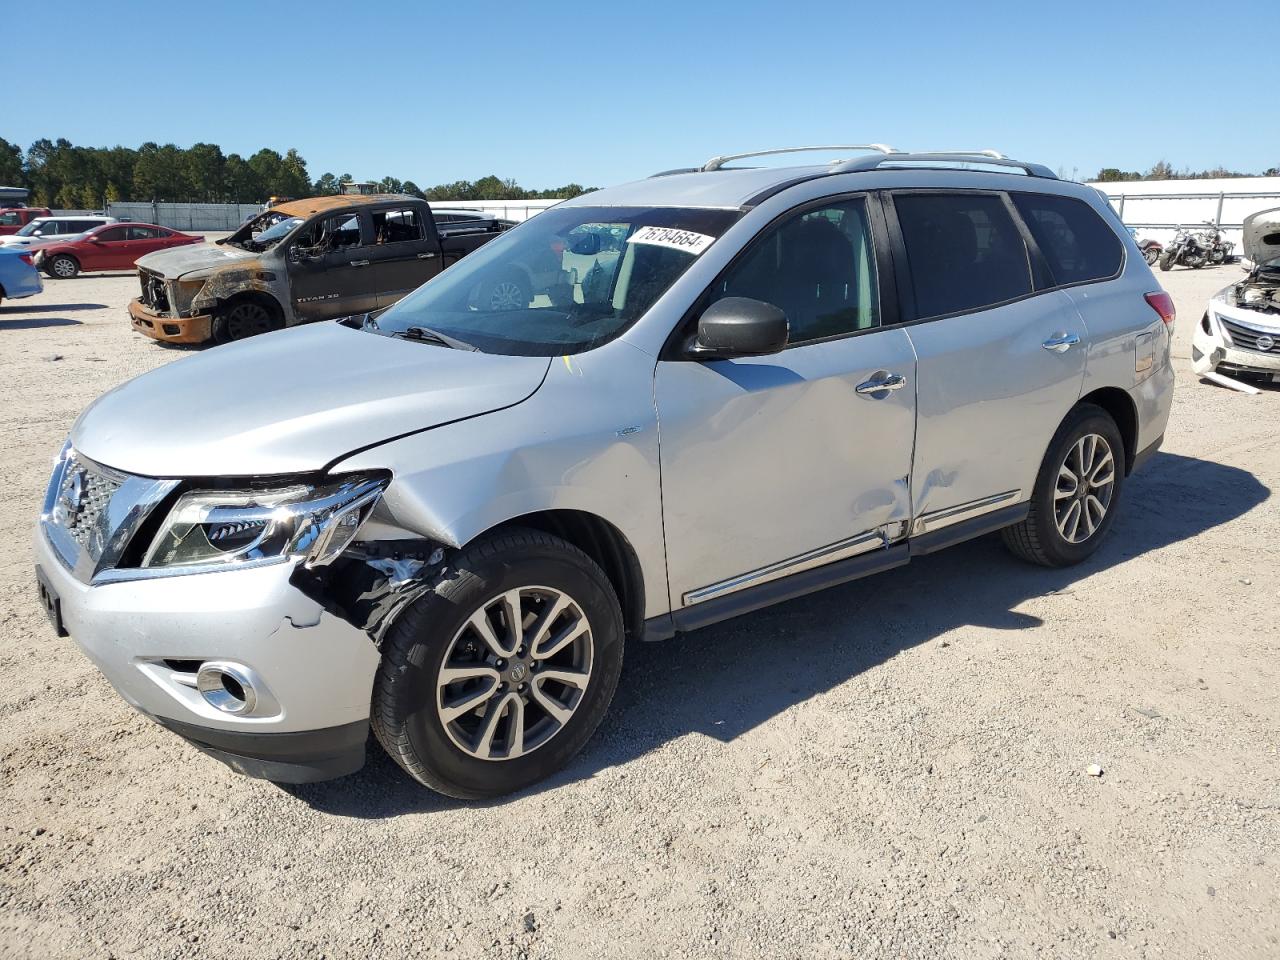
214	528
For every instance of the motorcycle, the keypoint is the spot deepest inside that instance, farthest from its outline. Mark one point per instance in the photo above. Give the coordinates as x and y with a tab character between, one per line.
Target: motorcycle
1186	249
1150	249
1195	250
1217	250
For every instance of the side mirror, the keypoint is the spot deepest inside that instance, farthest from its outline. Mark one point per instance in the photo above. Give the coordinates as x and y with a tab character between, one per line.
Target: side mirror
739	327
585	245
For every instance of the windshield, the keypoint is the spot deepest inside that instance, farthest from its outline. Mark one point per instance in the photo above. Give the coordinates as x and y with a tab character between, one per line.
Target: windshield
264	231
563	282
30	229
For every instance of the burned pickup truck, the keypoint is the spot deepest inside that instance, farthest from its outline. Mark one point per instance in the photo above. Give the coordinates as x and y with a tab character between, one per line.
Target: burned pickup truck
300	261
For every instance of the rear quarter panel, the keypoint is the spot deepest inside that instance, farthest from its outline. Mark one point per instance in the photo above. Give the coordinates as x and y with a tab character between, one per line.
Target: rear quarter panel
1129	345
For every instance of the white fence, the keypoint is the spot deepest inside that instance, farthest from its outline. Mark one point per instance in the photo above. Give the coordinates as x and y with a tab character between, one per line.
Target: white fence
229	216
519	210
185	216
1156	208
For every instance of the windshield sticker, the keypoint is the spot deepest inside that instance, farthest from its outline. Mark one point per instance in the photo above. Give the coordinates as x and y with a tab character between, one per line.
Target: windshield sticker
686	240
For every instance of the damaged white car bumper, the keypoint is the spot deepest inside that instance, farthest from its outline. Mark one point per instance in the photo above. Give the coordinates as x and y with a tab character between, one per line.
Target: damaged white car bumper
1233	339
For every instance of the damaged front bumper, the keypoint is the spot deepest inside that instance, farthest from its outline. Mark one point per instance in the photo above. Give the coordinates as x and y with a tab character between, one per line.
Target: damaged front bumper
158	326
1235	339
309	673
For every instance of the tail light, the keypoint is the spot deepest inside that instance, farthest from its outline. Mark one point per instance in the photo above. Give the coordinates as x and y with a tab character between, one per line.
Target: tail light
1162	304
28	258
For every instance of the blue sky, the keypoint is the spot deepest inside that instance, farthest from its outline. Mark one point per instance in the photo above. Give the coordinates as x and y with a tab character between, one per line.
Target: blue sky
599	93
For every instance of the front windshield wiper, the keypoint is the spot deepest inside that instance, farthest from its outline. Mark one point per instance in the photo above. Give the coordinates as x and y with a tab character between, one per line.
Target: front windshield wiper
427	335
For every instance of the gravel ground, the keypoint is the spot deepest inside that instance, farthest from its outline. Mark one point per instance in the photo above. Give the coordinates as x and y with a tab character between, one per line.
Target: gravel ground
893	768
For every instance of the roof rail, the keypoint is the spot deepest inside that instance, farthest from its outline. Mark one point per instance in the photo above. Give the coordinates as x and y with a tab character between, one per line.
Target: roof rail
984	157
715	163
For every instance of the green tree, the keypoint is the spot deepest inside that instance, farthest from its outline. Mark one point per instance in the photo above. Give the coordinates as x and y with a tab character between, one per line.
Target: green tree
242	183
294	179
11	172
326	186
206	172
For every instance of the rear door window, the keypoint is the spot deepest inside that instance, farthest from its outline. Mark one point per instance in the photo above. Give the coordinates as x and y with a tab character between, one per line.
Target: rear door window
144	233
964	251
1075	241
397	226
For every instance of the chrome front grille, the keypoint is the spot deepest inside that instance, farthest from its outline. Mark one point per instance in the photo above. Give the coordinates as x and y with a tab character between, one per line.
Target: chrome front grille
82	497
91	512
1247	337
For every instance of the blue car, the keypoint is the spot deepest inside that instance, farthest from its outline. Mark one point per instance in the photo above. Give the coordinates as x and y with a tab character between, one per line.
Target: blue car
18	275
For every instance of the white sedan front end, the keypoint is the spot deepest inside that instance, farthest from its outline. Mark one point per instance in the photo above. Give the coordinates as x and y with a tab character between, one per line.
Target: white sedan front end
1232	339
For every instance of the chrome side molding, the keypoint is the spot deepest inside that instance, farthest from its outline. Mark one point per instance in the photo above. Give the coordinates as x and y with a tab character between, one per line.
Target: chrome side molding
820	556
937	519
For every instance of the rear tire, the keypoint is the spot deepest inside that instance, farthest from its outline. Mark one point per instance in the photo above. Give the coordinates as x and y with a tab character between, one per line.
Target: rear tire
1151	255
459	737
62	266
1071	510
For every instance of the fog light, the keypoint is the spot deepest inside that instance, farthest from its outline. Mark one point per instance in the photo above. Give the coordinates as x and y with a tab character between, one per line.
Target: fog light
227	687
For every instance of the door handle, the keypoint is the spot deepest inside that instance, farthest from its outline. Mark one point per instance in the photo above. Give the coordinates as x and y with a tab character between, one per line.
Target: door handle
358	263
426	256
893	381
1061	343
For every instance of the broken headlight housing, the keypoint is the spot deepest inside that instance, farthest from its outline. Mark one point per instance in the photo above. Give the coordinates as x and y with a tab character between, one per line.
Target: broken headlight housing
211	529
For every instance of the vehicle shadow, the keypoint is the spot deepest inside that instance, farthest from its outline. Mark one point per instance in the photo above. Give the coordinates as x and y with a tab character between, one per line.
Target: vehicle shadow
36	323
724	680
63	307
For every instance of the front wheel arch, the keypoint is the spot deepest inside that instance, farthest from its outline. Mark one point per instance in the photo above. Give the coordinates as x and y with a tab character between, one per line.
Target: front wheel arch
265	300
48	264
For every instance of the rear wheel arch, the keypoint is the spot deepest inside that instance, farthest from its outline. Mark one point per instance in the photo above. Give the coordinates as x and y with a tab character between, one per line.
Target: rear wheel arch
1121	408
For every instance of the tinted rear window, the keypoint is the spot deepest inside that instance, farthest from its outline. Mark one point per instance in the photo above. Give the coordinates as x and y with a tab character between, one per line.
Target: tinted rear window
964	251
1073	238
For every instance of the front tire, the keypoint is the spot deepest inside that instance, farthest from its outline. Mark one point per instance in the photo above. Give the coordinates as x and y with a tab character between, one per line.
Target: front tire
500	674
1166	262
241	319
509	292
1076	494
62	267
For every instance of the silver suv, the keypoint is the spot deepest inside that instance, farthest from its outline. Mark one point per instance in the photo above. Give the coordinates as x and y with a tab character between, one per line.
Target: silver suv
444	519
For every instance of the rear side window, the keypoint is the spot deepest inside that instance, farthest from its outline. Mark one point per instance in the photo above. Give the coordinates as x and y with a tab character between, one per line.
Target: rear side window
397	226
1073	238
964	251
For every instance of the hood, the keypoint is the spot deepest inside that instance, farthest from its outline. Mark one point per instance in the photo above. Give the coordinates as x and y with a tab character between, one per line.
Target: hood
37	243
178	262
293	401
1262	236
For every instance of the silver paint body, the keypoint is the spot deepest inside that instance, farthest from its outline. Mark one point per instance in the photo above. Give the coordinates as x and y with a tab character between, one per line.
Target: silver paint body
719	474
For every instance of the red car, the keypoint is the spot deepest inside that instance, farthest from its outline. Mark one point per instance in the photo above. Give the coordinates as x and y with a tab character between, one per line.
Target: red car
14	219
116	246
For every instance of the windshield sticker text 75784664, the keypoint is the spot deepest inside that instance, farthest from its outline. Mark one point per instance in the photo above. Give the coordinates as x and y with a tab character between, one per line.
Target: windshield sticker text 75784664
686	240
